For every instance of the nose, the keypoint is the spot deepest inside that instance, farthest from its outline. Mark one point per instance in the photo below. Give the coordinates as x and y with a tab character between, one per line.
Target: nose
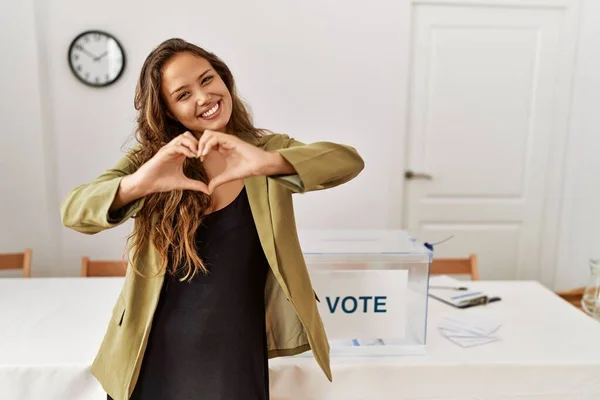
203	99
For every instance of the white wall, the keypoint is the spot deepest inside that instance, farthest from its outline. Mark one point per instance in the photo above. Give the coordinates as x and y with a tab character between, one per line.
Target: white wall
313	69
580	239
25	213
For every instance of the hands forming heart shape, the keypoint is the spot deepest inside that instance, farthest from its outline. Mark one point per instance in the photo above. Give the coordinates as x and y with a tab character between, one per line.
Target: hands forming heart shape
164	171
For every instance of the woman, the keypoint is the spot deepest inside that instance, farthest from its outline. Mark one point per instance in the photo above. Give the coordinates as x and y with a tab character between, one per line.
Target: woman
216	283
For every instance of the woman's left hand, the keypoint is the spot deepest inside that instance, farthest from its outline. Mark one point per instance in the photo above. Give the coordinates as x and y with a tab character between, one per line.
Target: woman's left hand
242	159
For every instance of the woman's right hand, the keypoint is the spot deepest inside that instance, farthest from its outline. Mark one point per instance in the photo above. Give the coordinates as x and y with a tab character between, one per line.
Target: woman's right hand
164	171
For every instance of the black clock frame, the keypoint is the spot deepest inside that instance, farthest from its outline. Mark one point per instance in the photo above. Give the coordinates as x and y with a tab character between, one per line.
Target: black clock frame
80	79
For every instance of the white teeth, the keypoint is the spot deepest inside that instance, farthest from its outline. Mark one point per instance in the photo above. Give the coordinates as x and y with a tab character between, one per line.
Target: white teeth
211	111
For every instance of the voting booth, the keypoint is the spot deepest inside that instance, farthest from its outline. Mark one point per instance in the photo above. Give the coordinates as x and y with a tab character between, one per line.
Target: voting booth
372	289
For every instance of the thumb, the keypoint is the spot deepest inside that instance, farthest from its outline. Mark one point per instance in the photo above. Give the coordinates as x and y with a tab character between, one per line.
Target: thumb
193	184
219	180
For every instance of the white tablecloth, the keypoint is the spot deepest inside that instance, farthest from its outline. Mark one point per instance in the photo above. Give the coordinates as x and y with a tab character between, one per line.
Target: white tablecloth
50	330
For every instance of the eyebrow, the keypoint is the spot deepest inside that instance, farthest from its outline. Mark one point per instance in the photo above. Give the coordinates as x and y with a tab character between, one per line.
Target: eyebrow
184	86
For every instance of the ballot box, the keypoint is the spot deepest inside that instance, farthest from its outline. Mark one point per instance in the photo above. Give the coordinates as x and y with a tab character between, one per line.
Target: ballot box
371	288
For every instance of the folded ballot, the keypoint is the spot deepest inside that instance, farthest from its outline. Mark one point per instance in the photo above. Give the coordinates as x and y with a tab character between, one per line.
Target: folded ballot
469	329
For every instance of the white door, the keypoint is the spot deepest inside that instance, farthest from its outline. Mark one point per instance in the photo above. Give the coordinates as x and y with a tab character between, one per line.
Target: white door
486	116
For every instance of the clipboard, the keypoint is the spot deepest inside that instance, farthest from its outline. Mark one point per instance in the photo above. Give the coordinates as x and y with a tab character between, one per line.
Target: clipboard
457	293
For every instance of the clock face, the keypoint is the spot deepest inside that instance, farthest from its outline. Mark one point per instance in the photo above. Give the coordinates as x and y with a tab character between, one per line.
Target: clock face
96	58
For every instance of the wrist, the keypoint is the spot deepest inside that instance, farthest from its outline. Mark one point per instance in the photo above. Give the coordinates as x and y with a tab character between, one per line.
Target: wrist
134	185
278	165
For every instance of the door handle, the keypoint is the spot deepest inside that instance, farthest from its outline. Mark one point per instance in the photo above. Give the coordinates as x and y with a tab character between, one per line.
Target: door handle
408	174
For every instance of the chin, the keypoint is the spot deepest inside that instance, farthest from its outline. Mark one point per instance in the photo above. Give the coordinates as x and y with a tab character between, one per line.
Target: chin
219	127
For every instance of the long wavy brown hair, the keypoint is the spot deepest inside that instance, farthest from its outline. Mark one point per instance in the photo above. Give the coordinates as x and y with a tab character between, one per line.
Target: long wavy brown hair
169	220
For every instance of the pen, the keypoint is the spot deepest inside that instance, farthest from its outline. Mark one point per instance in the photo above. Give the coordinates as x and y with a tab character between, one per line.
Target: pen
448	287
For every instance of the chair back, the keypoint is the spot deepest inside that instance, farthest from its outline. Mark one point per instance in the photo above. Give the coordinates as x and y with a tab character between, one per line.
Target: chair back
102	268
456	266
17	261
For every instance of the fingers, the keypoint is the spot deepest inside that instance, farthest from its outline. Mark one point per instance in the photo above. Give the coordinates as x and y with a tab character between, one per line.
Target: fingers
181	149
211	139
206	136
226	176
190	141
193	184
215	183
208	146
200	148
186	140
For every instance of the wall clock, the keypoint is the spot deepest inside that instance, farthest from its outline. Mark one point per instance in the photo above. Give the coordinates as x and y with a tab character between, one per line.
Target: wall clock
96	58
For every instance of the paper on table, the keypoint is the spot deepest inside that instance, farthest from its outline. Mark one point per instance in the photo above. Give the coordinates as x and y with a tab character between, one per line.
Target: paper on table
477	325
469	342
469	330
455	292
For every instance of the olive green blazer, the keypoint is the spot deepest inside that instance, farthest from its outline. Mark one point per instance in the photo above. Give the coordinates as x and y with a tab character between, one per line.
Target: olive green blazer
293	321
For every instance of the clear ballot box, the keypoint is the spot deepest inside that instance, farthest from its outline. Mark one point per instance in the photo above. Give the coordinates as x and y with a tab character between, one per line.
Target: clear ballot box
371	287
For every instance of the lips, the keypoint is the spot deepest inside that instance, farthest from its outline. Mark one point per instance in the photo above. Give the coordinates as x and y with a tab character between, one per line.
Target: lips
213	112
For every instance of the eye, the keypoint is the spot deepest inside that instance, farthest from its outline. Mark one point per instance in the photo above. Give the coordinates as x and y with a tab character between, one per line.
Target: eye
207	79
183	95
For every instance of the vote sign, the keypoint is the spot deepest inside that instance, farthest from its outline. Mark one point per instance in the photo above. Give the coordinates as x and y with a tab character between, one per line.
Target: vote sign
365	304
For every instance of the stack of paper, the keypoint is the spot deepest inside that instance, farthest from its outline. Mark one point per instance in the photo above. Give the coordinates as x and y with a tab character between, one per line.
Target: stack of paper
454	292
469	330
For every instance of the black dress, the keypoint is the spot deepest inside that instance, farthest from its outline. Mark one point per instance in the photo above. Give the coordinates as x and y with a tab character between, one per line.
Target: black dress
208	339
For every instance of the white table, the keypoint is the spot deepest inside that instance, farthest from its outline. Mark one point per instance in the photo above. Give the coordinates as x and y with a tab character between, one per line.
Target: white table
50	330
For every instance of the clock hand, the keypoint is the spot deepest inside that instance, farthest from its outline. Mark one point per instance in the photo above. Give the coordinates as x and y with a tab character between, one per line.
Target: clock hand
100	56
83	49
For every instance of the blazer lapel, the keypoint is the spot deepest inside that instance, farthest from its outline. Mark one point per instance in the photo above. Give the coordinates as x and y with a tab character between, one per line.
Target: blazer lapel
258	197
257	189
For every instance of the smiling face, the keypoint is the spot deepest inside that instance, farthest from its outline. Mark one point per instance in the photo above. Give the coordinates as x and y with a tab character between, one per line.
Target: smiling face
195	94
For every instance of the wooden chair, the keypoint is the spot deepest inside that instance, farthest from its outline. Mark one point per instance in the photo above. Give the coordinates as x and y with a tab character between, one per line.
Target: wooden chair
456	266
573	296
17	261
102	268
